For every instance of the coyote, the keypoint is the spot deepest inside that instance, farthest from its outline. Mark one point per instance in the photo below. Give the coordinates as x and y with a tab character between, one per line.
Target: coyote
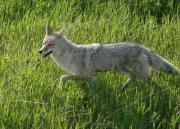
83	61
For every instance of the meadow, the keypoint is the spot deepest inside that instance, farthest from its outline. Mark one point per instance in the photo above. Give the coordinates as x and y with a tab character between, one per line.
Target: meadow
31	95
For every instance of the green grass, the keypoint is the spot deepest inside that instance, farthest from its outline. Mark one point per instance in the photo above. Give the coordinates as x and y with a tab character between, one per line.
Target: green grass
30	92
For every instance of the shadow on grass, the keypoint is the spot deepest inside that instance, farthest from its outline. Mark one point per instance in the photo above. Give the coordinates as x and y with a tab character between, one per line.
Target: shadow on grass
140	106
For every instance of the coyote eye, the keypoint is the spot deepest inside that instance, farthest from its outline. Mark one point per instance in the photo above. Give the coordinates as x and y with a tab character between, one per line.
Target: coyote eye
50	44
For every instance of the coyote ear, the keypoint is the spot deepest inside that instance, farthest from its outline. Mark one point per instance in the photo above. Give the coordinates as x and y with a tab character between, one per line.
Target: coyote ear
48	30
61	32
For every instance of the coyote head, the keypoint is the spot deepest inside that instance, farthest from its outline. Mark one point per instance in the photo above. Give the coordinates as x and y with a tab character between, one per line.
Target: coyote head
50	40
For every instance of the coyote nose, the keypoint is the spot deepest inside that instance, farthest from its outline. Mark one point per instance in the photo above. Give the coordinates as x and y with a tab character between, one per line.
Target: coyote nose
40	51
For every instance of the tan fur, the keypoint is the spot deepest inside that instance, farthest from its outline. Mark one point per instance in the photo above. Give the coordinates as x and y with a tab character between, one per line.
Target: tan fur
83	61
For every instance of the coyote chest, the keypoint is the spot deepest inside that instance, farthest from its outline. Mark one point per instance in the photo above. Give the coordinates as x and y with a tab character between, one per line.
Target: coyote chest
66	64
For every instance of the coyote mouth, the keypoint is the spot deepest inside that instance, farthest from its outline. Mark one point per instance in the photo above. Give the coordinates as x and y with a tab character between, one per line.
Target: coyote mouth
44	55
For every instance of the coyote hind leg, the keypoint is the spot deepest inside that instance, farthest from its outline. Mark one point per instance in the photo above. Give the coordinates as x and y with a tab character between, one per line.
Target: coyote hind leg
129	81
126	84
138	69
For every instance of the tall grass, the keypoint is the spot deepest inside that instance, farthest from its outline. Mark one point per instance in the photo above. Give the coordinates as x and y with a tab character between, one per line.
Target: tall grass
30	93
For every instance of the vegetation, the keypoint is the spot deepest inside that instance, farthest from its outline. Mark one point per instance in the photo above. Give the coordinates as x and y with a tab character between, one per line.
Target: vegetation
31	95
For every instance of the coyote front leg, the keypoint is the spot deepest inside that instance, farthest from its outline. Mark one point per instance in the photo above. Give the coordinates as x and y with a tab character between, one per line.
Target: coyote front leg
70	77
75	77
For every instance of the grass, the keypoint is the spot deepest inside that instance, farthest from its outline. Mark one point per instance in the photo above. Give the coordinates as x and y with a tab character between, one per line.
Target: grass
30	92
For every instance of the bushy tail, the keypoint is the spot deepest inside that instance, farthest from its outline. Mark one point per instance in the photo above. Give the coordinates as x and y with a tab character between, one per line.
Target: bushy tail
162	64
159	62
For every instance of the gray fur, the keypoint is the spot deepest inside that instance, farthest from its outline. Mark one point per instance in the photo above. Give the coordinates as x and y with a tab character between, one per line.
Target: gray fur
83	61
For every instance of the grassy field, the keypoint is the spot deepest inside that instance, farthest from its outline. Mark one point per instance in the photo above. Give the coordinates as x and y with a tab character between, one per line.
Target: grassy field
30	92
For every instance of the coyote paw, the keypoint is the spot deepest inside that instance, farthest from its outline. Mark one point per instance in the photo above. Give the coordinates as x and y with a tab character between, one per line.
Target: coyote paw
126	84
124	88
63	78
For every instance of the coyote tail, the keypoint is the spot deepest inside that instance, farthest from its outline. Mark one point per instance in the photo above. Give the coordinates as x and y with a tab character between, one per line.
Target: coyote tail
162	64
